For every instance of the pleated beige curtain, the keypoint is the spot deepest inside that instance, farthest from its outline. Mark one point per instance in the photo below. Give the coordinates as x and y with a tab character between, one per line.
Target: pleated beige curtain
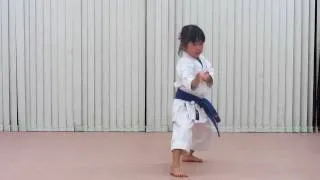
108	65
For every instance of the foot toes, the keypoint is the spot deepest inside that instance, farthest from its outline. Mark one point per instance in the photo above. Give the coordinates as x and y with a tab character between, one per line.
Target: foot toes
177	172
178	175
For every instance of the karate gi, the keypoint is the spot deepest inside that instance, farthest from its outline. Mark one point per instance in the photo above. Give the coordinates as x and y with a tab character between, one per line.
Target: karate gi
189	133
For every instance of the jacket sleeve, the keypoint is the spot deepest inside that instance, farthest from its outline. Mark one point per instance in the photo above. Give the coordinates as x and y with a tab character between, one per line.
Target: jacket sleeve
209	68
185	72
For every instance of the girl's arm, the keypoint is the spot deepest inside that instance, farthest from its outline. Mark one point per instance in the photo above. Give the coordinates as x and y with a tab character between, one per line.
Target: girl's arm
210	72
185	71
196	81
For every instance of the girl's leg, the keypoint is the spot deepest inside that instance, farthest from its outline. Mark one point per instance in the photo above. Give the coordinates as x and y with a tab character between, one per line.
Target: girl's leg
180	143
189	157
202	134
175	169
181	139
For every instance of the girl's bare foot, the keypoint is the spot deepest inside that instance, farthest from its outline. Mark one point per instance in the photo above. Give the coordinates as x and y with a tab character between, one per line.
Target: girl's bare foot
191	158
177	172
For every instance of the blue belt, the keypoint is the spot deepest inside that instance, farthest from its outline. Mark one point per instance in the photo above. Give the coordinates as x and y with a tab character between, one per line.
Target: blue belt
203	103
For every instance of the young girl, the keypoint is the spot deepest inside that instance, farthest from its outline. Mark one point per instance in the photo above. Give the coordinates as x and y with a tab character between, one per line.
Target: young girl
192	129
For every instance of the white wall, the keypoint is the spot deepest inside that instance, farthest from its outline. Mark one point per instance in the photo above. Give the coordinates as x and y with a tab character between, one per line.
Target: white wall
262	52
72	65
82	65
317	66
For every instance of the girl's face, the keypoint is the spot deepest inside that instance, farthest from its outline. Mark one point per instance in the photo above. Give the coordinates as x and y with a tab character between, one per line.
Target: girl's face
194	49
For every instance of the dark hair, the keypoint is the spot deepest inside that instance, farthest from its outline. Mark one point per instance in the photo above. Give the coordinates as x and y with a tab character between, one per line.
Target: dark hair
190	33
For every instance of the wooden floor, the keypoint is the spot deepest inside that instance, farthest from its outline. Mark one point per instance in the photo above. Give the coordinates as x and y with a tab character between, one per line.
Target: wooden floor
146	156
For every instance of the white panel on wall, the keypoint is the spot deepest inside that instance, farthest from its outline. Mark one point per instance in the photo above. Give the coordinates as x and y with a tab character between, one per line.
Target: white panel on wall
160	63
113	69
1	73
4	68
316	123
13	65
75	65
262	52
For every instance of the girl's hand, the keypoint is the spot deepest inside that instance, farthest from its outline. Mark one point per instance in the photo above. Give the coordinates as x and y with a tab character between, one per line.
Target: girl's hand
208	79
201	76
205	76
